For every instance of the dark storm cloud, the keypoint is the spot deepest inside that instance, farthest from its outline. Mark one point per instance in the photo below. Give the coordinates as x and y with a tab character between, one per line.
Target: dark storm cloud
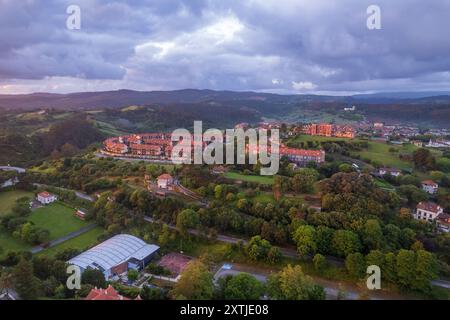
275	45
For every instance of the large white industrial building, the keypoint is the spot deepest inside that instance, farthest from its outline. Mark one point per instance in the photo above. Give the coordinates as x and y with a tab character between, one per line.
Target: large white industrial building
116	255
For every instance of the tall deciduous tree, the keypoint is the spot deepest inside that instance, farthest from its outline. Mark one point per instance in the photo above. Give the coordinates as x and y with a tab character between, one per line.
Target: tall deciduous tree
196	283
243	287
292	284
305	238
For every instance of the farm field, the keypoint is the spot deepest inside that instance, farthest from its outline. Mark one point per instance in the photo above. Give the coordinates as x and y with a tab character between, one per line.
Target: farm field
377	151
58	219
81	242
8	200
242	177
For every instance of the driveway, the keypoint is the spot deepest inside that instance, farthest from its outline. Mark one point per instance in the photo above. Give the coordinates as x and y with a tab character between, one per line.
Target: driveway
72	235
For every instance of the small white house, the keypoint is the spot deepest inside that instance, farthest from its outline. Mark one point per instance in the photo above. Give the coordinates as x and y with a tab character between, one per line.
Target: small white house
165	181
428	211
46	198
430	186
391	171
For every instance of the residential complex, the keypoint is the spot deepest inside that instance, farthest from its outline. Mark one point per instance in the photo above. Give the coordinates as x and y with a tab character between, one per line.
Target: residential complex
158	146
329	130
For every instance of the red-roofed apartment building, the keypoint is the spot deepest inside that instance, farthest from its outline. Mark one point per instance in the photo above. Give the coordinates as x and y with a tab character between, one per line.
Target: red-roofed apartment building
303	157
106	294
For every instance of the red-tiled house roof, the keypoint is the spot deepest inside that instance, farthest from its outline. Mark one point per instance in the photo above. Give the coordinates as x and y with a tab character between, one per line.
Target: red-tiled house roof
105	294
429	206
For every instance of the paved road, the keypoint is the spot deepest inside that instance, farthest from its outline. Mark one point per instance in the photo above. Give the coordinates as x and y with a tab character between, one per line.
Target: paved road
84	196
101	155
287	252
331	290
17	169
441	283
72	235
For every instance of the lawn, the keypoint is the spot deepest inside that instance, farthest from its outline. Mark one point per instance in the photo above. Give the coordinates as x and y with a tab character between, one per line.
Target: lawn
247	178
264	197
379	152
9	243
81	242
8	200
58	219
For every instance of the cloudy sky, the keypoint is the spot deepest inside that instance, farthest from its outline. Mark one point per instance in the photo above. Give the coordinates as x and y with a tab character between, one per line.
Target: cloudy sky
284	46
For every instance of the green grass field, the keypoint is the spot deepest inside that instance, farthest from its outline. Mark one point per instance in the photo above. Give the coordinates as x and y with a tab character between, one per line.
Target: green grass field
9	243
242	177
58	219
108	128
379	152
81	242
264	197
8	200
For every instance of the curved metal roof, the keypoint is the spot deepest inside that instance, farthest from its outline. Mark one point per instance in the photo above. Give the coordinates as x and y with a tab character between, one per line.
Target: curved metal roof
113	252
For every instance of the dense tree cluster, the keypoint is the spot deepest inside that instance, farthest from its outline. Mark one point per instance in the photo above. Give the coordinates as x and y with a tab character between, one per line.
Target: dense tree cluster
17	224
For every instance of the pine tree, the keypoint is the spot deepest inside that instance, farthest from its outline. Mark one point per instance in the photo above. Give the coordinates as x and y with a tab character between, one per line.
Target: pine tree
26	284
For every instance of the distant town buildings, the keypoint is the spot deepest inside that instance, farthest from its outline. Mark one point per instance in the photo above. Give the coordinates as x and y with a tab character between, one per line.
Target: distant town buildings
242	125
378	125
159	146
438	144
329	130
417	143
353	108
430	186
46	198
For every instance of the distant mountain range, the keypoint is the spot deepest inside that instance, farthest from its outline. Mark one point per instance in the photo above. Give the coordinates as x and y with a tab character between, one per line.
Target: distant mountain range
120	98
430	108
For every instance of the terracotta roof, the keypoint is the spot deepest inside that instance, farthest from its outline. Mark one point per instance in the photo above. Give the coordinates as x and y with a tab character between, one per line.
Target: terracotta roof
105	294
430	183
444	219
45	194
135	146
165	176
428	206
301	152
